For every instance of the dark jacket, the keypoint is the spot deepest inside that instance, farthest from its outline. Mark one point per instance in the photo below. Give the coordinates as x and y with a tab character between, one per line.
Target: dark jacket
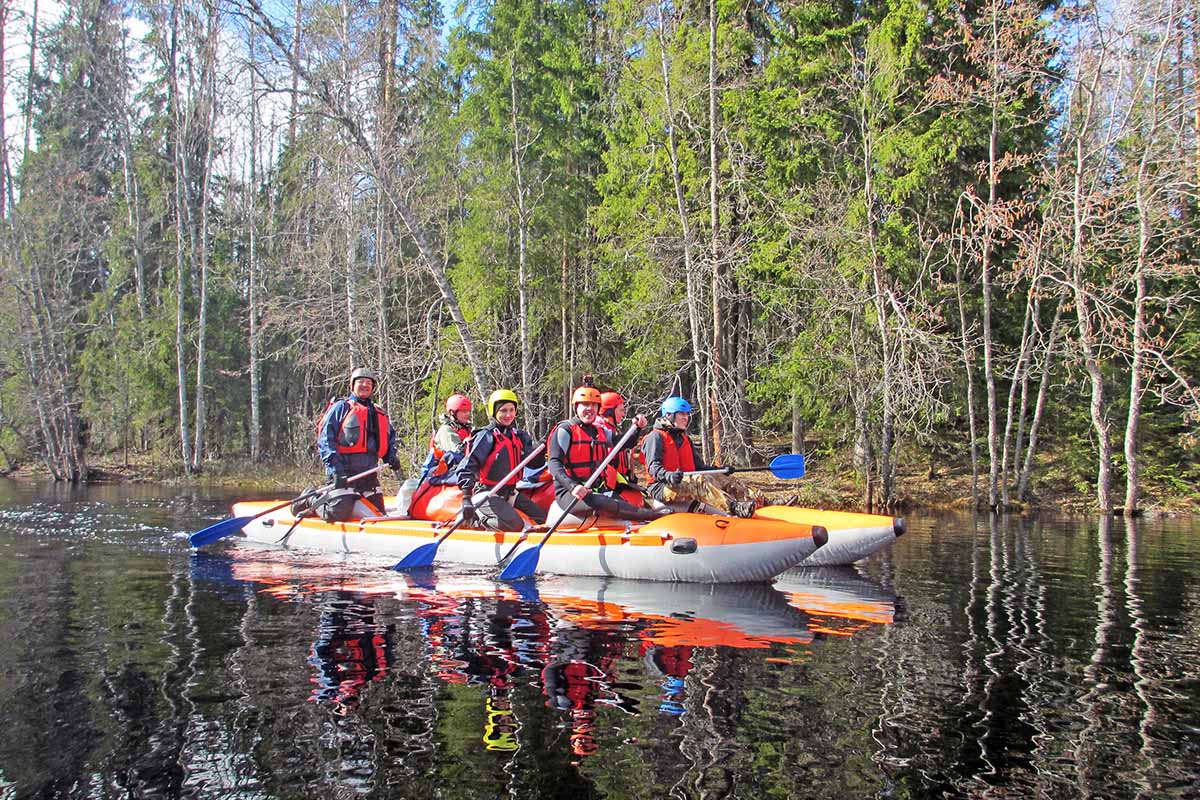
652	450
480	447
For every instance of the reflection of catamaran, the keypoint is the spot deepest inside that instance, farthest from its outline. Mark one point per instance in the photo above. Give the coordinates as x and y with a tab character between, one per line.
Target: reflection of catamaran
680	547
838	600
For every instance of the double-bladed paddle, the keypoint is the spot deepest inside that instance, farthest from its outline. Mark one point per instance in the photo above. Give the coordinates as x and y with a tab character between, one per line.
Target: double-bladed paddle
227	527
423	556
525	564
787	466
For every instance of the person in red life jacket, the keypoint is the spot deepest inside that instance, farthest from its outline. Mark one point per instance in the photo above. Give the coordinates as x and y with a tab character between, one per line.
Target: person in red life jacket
612	415
449	441
669	454
576	448
491	454
353	437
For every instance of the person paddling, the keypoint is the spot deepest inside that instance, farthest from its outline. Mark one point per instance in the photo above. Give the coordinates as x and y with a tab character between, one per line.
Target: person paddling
492	453
613	413
669	454
576	448
354	435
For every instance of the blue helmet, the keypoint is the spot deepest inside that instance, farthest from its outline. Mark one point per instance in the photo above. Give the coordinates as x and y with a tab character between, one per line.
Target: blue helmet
674	405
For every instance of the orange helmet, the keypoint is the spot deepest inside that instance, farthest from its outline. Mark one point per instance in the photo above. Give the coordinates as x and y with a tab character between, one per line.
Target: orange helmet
610	400
586	394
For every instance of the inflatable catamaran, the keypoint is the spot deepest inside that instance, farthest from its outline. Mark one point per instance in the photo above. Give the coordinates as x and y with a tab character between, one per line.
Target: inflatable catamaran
698	548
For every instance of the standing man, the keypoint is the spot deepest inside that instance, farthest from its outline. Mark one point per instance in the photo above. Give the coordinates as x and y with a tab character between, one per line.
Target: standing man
353	437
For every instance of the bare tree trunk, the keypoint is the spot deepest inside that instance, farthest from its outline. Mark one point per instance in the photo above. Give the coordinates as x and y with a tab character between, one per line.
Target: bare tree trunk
6	189
209	88
1040	405
989	362
1141	265
1098	407
252	264
182	222
518	157
30	81
133	199
1014	383
717	381
965	348
685	229
297	37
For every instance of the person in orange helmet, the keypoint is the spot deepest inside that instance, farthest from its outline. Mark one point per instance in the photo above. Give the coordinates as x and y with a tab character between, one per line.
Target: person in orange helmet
576	447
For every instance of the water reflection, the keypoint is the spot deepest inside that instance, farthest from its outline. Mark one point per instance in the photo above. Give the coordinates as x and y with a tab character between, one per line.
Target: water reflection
994	656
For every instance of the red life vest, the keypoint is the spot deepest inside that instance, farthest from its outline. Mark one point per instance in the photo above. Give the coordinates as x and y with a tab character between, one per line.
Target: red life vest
586	453
352	437
511	447
676	458
622	461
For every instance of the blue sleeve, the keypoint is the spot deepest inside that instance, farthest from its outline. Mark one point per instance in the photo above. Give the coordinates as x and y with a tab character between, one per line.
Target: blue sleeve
327	439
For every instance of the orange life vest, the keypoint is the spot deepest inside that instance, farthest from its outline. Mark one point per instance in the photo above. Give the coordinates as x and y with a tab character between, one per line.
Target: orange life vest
586	453
511	447
352	437
676	458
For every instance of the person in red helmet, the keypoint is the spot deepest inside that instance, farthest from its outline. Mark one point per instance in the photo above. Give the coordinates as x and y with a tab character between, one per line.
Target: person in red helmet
613	413
576	447
449	441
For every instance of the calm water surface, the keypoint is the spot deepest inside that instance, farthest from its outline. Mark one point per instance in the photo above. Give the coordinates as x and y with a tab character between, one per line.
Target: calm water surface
977	657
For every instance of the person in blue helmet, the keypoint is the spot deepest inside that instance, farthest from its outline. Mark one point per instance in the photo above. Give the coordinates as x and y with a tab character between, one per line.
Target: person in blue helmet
670	455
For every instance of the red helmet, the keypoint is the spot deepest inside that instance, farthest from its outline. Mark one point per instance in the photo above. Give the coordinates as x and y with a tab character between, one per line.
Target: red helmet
457	402
610	400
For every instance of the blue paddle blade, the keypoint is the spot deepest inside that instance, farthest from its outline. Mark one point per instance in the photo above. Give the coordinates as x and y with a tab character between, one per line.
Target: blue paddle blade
788	466
523	565
217	531
420	557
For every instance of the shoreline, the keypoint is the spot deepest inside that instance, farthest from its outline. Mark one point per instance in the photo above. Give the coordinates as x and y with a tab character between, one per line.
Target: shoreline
828	485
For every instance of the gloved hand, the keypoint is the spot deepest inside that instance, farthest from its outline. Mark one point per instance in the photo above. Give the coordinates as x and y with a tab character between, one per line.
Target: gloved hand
468	510
394	464
339	481
726	470
674	478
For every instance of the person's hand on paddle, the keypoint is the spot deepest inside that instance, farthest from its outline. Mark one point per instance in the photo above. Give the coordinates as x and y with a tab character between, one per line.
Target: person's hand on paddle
469	515
394	464
579	491
726	470
641	421
674	478
339	481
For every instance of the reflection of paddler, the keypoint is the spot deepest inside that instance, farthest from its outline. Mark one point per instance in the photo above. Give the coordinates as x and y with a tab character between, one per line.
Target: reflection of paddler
673	663
500	729
351	651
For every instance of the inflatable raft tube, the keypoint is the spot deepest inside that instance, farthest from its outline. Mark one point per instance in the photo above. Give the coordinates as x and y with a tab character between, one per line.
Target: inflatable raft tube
851	536
694	548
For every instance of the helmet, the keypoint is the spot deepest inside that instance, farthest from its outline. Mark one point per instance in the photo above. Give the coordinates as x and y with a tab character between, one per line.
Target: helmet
610	400
458	402
363	372
586	394
500	396
674	405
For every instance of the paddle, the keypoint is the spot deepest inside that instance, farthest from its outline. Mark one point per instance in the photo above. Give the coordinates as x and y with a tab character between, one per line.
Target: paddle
230	526
423	556
786	466
525	564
